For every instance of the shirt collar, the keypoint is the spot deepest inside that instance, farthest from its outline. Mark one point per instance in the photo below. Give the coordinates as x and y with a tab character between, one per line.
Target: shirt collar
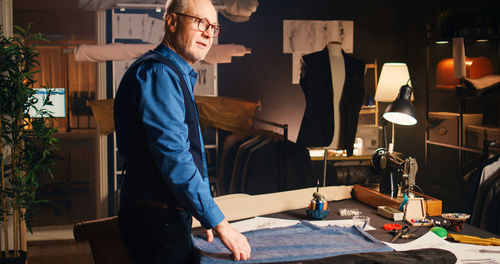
177	59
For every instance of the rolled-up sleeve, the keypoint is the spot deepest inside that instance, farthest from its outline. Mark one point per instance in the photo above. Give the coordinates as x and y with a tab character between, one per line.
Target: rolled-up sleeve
161	106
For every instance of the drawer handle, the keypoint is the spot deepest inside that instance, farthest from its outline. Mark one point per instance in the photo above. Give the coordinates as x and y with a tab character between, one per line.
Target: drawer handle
442	131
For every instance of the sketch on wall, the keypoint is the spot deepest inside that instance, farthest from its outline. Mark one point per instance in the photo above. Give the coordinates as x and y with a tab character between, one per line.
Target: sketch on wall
137	26
302	37
119	68
206	83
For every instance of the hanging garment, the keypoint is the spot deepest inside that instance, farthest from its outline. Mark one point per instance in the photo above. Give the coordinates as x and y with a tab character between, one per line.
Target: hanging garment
277	166
221	53
489	170
471	185
229	141
480	205
227	170
239	161
261	158
317	127
490	215
230	114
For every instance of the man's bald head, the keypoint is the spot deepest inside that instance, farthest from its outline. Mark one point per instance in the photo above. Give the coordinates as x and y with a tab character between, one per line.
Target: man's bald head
182	28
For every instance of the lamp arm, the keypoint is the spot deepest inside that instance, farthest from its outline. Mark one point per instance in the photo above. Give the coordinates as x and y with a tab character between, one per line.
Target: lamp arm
384	131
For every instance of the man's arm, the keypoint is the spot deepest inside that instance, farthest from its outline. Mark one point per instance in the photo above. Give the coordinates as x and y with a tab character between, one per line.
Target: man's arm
161	106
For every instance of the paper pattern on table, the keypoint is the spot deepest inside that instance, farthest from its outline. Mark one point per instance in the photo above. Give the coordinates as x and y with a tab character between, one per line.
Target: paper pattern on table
258	222
465	253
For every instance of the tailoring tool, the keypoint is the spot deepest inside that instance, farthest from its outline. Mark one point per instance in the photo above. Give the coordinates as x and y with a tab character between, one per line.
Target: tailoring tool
475	240
390	227
318	206
399	233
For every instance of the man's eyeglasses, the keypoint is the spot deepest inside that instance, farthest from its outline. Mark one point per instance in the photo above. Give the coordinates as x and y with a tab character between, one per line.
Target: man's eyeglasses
204	25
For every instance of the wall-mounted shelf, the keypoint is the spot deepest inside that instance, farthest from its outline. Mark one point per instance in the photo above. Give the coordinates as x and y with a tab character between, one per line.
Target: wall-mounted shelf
445	162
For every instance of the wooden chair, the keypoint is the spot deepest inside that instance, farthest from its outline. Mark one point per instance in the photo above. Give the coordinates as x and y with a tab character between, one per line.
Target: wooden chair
104	239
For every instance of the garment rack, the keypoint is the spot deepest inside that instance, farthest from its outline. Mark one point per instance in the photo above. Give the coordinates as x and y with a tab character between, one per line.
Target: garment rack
282	126
487	144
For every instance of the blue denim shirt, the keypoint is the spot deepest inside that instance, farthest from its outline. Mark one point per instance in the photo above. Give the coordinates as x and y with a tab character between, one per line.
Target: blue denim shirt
156	96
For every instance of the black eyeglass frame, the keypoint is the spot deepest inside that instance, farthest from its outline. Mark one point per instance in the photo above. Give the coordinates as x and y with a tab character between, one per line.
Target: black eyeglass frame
216	29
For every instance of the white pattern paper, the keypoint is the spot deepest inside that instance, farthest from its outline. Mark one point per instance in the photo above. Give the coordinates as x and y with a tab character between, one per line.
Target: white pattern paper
206	84
465	253
154	31
119	68
129	26
258	222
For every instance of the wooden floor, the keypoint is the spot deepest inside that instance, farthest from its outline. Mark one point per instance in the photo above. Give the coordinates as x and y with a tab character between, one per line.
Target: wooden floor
59	252
55	245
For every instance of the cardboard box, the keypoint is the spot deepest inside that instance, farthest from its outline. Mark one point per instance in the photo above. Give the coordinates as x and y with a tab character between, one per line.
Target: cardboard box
444	126
366	139
416	213
475	135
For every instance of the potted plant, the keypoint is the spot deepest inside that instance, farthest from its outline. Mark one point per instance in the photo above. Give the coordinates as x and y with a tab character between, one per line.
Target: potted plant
26	141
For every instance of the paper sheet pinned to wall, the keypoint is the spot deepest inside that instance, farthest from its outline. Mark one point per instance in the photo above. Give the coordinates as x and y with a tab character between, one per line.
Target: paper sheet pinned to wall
137	26
307	36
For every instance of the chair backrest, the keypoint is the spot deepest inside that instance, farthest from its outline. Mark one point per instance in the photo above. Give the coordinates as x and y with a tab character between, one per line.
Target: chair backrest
104	239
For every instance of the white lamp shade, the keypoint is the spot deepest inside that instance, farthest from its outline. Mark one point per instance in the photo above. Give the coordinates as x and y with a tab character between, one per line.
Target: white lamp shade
393	76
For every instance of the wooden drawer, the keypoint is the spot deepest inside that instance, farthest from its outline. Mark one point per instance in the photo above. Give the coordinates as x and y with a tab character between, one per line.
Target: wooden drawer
374	199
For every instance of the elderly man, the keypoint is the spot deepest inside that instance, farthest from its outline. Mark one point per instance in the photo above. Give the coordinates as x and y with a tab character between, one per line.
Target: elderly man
159	136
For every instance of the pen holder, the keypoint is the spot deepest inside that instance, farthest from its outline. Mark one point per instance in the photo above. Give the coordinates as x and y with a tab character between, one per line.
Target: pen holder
317	214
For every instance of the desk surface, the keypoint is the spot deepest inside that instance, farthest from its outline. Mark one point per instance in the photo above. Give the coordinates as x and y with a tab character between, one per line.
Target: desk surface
377	221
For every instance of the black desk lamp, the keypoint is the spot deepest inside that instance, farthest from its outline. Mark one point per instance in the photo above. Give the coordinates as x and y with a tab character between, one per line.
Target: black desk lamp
401	112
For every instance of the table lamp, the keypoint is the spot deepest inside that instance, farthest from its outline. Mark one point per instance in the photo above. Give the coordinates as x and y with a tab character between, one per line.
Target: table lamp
395	87
393	75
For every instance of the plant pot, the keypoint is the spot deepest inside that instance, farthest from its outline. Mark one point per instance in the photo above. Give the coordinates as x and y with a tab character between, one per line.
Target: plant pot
23	256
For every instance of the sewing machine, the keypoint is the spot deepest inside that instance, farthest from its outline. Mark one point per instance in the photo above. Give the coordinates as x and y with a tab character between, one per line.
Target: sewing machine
393	164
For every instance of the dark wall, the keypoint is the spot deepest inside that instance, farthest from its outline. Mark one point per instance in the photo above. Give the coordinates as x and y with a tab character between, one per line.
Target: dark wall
266	73
56	19
388	31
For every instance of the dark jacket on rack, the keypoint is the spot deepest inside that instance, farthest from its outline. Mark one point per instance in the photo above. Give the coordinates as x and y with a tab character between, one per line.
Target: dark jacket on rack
317	126
471	185
263	163
486	214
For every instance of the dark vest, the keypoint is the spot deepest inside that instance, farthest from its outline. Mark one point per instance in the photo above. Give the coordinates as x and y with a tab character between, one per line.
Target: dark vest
143	180
317	127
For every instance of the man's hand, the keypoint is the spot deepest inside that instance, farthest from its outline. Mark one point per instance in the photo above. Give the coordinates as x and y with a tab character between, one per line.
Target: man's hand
210	235
232	239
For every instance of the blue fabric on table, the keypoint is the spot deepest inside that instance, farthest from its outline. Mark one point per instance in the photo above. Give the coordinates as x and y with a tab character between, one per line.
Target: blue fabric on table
303	241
